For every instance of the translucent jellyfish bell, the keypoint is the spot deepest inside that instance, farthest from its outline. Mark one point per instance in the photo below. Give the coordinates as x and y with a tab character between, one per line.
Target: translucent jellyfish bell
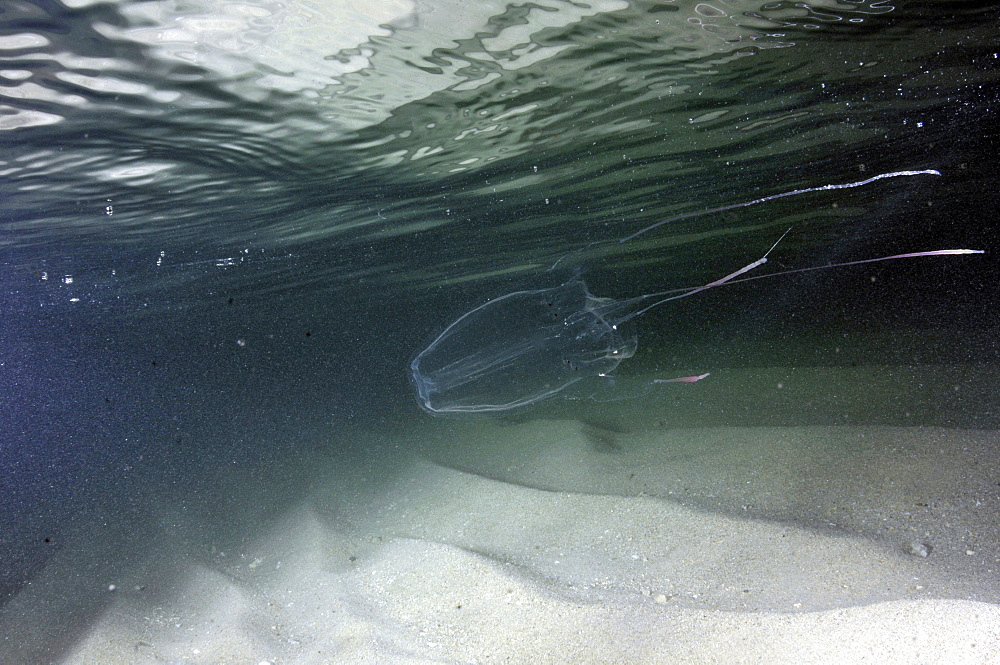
521	348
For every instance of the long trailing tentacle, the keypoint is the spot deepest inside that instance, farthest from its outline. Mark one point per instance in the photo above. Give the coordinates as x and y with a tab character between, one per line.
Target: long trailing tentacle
794	192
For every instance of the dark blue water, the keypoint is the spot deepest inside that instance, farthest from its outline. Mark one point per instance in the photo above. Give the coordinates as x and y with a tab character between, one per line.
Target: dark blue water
225	230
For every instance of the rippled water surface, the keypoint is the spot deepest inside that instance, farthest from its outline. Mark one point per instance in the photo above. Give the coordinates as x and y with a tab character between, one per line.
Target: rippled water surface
149	146
227	219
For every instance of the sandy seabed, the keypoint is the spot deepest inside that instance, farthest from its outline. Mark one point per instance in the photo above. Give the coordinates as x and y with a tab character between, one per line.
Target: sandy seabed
590	539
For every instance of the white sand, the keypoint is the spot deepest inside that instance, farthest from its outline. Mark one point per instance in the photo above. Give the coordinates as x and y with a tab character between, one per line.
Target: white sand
559	541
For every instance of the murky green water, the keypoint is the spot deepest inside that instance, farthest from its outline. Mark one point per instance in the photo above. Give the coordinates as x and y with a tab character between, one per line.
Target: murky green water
237	223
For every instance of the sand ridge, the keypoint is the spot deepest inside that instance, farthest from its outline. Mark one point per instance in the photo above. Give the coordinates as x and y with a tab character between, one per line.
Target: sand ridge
541	543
